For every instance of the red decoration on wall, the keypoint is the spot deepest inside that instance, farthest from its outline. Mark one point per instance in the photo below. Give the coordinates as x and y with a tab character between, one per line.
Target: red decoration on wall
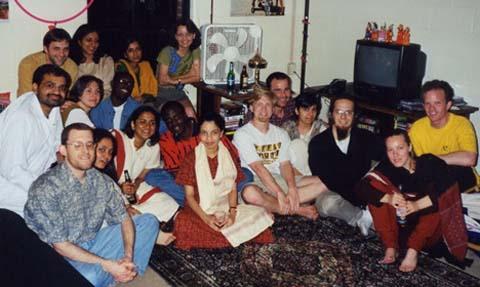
55	22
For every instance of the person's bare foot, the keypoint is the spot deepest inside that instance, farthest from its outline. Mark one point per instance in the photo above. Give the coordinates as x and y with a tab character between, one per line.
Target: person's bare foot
390	256
165	238
409	263
309	212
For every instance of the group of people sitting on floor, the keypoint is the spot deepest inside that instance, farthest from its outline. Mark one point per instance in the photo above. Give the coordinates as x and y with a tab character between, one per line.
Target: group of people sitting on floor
103	170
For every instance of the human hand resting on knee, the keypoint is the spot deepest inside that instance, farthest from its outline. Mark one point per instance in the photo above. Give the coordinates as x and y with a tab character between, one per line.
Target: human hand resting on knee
293	199
121	271
231	218
211	221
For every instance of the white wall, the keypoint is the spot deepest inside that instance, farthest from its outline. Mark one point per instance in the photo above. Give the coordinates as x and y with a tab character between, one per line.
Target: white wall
22	35
447	30
277	30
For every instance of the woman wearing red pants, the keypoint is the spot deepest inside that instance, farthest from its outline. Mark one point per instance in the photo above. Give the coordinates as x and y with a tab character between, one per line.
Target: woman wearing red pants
414	203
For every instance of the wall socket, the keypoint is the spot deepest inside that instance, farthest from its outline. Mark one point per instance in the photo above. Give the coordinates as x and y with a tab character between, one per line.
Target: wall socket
291	68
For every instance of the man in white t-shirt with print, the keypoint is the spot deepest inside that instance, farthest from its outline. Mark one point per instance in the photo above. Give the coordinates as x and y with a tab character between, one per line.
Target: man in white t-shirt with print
263	149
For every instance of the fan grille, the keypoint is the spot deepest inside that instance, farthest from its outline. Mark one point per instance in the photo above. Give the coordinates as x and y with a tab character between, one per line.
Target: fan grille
230	42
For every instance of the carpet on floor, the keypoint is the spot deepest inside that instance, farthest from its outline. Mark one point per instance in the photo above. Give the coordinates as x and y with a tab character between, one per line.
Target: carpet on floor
325	252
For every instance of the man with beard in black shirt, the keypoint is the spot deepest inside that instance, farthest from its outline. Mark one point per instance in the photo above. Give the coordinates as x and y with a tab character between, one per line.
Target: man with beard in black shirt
340	156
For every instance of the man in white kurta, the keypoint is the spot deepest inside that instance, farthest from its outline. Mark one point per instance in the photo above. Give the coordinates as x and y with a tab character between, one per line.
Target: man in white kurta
30	134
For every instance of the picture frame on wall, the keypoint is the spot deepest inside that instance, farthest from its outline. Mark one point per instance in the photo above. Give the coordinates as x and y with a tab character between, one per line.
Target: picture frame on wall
4	9
257	8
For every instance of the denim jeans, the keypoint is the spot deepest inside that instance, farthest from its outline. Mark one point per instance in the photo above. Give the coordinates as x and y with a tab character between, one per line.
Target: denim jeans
166	182
108	244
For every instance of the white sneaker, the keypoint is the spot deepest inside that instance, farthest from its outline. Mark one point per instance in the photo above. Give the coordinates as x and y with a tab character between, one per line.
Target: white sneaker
365	222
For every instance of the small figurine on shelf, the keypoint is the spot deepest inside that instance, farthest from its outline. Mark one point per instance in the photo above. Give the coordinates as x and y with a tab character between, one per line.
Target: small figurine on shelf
375	32
382	33
389	38
368	31
400	32
406	37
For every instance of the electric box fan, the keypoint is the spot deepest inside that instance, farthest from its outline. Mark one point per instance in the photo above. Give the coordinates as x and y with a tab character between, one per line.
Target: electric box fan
225	43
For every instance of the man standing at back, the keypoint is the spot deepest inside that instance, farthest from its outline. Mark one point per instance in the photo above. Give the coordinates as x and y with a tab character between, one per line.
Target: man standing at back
280	84
444	134
56	46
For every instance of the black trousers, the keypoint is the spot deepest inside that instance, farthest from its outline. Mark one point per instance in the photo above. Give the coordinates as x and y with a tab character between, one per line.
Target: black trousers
465	177
25	260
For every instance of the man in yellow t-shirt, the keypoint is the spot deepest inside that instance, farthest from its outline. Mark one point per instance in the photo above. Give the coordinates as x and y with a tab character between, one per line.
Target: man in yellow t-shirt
446	135
56	46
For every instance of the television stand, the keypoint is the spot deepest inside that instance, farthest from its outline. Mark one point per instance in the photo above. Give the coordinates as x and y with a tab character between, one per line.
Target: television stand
381	118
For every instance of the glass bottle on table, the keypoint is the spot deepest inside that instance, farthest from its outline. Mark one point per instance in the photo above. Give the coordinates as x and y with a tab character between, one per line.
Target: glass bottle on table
231	79
244	79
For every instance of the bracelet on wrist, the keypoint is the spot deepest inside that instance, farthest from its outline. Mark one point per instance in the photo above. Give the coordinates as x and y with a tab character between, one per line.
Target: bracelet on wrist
233	208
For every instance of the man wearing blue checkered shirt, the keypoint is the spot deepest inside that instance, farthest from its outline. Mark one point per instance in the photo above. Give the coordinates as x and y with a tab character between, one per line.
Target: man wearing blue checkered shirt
68	204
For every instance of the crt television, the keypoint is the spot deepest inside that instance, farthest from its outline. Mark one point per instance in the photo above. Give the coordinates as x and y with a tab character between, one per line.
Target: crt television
386	73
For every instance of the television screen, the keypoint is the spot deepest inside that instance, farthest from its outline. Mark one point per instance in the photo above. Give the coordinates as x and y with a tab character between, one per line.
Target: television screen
377	66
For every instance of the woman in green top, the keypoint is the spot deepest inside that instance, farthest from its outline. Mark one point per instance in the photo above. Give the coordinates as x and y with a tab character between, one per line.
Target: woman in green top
179	64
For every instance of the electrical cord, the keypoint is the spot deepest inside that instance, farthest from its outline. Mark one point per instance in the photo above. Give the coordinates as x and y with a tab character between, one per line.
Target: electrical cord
54	22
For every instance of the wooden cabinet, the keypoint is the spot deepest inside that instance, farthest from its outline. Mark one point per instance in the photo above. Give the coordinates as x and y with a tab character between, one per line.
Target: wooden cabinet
382	118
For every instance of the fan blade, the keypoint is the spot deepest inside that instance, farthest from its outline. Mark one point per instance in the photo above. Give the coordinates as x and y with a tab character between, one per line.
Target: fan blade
242	37
231	54
219	39
213	61
255	32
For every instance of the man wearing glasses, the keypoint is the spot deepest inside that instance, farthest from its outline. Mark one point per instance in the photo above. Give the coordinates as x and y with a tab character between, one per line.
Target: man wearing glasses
29	137
340	156
68	204
30	134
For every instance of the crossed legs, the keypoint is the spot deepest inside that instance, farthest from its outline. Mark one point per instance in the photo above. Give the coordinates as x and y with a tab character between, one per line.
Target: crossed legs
309	187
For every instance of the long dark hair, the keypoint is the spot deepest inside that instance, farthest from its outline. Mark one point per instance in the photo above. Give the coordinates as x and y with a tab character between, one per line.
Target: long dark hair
135	115
213	117
191	28
98	135
125	43
76	51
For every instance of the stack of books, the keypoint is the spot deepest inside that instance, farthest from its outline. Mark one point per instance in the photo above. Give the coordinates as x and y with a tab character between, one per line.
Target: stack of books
368	123
234	115
401	123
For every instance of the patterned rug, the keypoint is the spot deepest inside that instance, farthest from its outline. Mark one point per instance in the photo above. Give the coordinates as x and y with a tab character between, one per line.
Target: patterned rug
326	252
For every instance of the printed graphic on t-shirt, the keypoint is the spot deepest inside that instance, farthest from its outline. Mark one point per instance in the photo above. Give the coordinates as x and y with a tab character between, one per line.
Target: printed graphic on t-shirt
269	152
445	148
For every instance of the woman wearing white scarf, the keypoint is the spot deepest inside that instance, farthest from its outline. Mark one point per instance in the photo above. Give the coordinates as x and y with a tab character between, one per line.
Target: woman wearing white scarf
212	217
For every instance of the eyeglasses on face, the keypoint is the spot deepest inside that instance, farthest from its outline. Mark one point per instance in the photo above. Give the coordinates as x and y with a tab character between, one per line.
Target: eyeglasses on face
81	145
347	113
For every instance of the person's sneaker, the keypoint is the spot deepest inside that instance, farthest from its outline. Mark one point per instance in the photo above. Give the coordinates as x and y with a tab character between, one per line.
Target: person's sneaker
365	222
